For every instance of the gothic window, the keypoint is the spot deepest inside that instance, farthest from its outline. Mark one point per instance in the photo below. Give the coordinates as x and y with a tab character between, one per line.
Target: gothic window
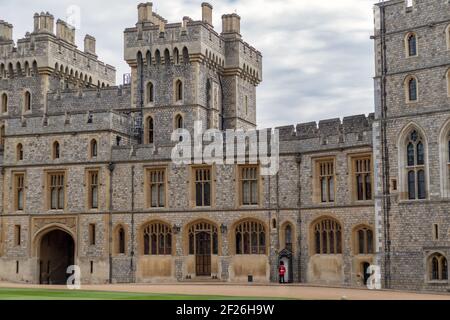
176	56
179	123
178	90
288	237
364	241
19	152
19	187
157	57
411	89
415	166
249	185
149	92
150	130
148	58
121	240
94	148
157	239
202	186
438	268
2	136
448	81
447	36
92	234
325	181
411	44
56	190
327	237
56	150
185	55
157	188
167	57
4	103
250	238
362	170
27	101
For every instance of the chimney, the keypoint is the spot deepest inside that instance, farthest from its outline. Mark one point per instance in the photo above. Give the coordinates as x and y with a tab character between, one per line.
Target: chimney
145	11
231	23
65	32
207	10
89	44
44	23
6	30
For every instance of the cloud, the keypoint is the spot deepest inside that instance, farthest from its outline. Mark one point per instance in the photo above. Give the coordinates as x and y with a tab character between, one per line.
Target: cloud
317	55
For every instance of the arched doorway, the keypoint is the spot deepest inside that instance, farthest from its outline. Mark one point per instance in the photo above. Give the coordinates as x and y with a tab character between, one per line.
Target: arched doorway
56	254
203	243
286	257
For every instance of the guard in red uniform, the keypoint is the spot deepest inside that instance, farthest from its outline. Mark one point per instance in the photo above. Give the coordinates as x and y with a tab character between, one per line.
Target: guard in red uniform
281	272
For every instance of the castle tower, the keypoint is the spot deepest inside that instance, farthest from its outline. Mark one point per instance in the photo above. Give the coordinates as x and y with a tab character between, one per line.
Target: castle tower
189	71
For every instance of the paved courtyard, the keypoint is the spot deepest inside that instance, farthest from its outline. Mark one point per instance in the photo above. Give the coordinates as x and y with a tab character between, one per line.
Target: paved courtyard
253	290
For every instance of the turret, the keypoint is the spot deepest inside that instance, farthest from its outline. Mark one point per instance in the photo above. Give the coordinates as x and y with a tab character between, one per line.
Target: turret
6	31
231	24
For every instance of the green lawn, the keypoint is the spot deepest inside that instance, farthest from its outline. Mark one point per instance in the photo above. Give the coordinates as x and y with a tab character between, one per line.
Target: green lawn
50	294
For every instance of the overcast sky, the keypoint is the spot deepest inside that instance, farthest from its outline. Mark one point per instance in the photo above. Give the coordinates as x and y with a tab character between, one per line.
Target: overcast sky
317	55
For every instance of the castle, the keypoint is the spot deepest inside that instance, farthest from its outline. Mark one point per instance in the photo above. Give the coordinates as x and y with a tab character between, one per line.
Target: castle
87	177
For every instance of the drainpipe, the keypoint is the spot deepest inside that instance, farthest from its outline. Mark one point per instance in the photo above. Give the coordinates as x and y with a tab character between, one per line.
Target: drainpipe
132	225
111	166
299	218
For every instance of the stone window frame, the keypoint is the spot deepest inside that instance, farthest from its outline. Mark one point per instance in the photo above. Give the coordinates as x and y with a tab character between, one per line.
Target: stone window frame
442	268
283	242
239	186
4	102
146	228
317	191
116	242
89	185
402	162
407	44
47	183
246	226
338	239
444	151
200	225
178	97
17	235
353	172
447	36
192	179
2	135
147	129
447	78
27	101
56	150
407	90
19	152
147	193
367	250
93	155
16	185
150	93
176	117
92	234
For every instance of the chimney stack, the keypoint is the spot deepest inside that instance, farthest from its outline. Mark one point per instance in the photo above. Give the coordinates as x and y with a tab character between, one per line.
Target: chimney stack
89	44
231	24
65	31
44	23
145	12
207	11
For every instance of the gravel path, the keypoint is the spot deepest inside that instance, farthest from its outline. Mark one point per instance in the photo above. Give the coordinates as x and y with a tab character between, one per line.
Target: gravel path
253	290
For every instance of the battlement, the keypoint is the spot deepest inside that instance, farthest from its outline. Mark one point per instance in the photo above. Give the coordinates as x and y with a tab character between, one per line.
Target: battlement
75	100
357	124
54	53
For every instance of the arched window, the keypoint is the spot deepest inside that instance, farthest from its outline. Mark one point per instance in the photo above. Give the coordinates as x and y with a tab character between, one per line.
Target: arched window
150	130
415	166
94	148
149	92
157	57
179	122
411	89
250	238
447	36
288	237
411	44
148	58
56	150
19	152
27	69
4	103
167	57
27	101
327	237
176	56
364	241
178	90
185	55
158	239
438	268
120	249
448	82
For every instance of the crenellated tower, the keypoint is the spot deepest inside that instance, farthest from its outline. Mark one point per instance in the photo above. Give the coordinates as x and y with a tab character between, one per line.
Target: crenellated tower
189	71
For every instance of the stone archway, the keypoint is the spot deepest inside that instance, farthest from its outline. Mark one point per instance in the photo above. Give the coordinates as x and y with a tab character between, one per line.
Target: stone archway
56	253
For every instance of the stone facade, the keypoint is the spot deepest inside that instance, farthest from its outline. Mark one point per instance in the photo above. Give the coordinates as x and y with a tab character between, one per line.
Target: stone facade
79	123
